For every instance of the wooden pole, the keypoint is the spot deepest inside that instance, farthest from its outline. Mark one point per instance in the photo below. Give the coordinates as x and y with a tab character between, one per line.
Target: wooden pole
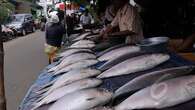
2	88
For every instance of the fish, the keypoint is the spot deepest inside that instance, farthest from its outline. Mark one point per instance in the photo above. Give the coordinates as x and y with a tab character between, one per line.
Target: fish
110	49
82	36
62	91
85	46
71	51
69	78
120	59
166	94
148	79
136	64
72	59
83	42
82	100
115	53
77	65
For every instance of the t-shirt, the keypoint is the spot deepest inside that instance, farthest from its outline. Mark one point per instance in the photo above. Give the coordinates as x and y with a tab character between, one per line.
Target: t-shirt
85	20
54	34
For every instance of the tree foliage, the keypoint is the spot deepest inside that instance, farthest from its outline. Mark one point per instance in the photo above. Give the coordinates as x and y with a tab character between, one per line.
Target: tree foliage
6	9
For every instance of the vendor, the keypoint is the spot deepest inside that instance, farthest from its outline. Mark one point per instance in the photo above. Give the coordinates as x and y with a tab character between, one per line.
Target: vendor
129	23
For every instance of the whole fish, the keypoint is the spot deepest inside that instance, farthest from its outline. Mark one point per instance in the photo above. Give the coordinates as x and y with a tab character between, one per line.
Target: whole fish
148	79
162	95
82	100
62	91
83	42
85	46
120	59
118	52
71	77
71	51
72	59
78	65
135	64
82	36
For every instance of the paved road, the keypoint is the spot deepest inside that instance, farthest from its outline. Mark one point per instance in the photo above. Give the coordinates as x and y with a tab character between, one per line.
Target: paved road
24	59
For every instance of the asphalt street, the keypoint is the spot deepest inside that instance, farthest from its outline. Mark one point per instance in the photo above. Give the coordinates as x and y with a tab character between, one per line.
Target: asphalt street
24	59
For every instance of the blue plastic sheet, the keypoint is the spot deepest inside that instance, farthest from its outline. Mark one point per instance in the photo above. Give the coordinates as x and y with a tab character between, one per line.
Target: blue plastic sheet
110	84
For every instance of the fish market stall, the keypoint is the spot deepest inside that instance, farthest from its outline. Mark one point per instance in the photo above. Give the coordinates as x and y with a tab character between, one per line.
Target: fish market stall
82	79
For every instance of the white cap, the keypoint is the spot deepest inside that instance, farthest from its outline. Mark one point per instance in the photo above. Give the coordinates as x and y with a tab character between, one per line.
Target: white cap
54	17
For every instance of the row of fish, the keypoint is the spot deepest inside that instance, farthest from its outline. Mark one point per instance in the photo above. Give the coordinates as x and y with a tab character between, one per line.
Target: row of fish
75	82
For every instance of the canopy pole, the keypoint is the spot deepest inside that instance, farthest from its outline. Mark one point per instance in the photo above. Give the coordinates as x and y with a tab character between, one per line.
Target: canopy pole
65	24
2	88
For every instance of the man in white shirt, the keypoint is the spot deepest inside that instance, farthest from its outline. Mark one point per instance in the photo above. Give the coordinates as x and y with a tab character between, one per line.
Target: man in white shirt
86	18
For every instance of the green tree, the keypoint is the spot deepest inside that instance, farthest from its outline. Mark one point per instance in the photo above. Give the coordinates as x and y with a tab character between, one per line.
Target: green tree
6	9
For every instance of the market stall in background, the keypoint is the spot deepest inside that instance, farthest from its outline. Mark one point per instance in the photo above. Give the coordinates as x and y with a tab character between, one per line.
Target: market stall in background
152	74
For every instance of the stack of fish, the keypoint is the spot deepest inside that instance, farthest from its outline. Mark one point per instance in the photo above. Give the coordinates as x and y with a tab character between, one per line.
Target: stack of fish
75	84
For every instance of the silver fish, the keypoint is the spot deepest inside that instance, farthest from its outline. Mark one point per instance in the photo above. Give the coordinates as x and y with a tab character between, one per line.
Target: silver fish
83	42
72	59
82	100
135	64
113	54
62	91
151	78
73	76
71	51
162	95
82	36
77	65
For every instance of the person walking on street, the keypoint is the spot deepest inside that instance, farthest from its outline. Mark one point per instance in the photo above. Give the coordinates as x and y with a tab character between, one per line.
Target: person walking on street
54	33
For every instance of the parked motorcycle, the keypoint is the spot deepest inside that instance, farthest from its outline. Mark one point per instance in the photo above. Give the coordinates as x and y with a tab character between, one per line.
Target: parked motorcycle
8	33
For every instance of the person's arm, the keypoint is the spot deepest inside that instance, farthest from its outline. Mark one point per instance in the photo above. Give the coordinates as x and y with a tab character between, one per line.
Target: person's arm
188	42
121	34
110	27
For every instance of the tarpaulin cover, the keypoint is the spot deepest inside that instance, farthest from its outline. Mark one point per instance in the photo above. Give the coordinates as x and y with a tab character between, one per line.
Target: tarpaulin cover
110	84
